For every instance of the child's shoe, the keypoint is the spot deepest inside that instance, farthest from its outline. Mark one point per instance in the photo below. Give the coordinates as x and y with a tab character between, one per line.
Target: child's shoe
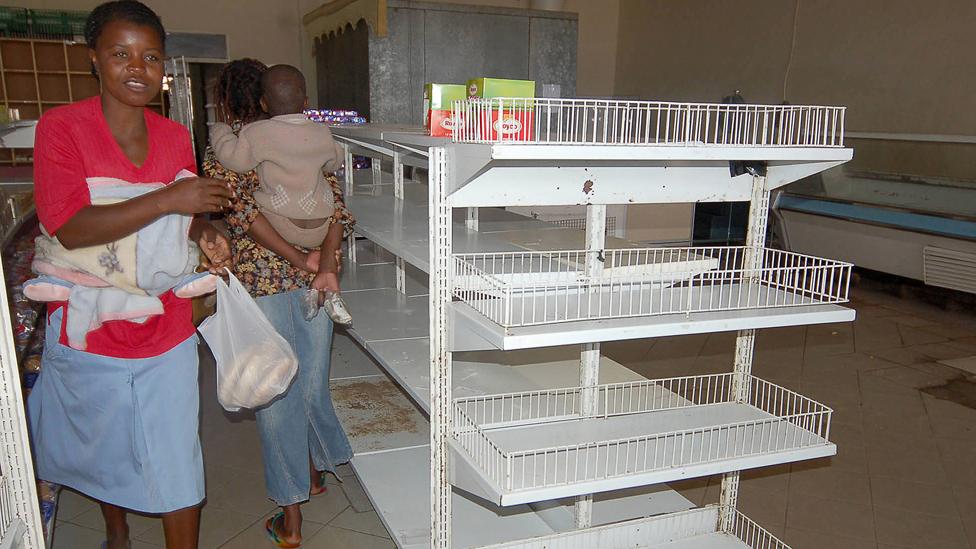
310	303
336	308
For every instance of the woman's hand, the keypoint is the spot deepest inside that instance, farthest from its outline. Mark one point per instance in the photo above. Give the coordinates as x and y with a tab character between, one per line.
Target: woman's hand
195	195
215	247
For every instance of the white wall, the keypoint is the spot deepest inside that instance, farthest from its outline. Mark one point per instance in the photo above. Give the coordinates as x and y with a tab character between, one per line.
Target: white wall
901	66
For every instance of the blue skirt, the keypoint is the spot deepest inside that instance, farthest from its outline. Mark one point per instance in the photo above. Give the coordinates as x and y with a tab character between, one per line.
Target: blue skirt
122	431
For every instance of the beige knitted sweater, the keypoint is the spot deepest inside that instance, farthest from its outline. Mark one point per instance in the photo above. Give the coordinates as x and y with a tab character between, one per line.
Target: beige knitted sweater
290	153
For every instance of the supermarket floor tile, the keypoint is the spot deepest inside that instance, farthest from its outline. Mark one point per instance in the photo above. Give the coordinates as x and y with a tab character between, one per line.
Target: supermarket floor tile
898	378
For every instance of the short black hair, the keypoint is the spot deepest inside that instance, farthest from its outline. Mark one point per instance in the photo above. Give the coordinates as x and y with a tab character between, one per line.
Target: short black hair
283	87
131	11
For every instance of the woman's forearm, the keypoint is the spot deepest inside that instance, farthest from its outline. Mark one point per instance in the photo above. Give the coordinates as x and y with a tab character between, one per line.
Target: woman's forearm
328	263
94	225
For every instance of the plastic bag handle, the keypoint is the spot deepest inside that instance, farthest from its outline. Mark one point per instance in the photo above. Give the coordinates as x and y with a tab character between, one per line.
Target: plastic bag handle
233	284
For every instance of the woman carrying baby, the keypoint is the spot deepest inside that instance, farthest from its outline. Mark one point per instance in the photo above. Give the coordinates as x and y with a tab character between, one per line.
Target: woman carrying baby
301	437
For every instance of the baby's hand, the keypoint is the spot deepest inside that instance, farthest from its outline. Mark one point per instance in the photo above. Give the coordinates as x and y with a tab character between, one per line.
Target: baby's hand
216	250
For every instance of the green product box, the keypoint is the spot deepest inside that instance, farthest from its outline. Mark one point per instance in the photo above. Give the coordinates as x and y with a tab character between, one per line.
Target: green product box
497	87
443	96
438	101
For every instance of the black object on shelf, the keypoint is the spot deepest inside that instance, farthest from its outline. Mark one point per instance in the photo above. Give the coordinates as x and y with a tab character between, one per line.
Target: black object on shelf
720	223
725	223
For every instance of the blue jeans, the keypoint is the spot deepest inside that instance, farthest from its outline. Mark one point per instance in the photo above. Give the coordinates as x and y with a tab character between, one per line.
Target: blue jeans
303	422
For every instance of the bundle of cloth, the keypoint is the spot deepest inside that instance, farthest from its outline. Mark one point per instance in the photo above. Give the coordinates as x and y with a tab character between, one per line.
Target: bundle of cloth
121	280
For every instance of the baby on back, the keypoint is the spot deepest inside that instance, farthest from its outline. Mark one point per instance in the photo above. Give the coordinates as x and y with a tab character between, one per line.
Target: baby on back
290	154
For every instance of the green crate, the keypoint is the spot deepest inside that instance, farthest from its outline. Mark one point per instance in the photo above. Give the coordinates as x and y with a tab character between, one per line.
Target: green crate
76	22
14	22
49	24
57	24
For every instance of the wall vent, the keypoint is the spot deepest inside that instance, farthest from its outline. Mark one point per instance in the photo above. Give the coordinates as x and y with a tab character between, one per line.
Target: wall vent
949	269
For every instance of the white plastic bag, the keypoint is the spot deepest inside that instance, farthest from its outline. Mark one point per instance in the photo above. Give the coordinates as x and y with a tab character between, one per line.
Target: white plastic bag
254	363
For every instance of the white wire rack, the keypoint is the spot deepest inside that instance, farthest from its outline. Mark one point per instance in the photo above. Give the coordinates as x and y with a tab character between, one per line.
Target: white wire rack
639	427
11	527
529	288
752	534
694	528
7	511
608	122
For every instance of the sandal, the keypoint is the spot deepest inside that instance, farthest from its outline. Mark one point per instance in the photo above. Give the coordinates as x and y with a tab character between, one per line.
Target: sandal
272	528
323	487
127	544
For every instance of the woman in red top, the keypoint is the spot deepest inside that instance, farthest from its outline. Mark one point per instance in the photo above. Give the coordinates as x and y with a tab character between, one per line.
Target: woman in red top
119	422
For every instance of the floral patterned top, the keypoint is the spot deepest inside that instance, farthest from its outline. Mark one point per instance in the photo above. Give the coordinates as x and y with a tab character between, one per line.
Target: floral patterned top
261	271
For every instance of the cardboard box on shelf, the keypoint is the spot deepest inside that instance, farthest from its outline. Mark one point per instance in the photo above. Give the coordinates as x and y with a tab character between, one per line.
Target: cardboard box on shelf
438	101
513	122
488	88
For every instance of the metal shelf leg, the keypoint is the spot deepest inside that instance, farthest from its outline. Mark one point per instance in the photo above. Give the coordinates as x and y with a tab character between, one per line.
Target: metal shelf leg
745	342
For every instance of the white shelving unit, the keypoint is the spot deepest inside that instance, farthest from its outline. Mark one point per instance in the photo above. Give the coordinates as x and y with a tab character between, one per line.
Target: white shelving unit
20	521
492	323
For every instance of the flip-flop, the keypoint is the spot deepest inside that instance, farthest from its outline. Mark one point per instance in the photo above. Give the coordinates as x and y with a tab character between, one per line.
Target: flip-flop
272	530
323	487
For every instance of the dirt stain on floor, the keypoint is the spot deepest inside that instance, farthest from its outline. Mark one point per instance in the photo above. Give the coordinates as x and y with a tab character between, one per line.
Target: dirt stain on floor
373	408
961	390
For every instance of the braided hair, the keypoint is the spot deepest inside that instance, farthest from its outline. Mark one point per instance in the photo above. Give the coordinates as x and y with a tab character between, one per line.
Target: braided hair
238	90
131	11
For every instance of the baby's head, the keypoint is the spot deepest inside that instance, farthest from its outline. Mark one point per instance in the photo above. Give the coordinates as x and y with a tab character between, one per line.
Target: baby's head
283	90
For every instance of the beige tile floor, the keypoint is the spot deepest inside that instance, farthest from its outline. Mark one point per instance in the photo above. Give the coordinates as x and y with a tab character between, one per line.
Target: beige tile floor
904	475
236	506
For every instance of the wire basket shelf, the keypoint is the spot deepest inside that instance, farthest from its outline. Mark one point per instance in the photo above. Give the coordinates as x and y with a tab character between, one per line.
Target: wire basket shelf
609	122
516	289
751	533
700	527
638	427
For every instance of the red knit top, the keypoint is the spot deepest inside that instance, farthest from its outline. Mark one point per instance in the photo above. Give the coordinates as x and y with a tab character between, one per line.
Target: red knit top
73	143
